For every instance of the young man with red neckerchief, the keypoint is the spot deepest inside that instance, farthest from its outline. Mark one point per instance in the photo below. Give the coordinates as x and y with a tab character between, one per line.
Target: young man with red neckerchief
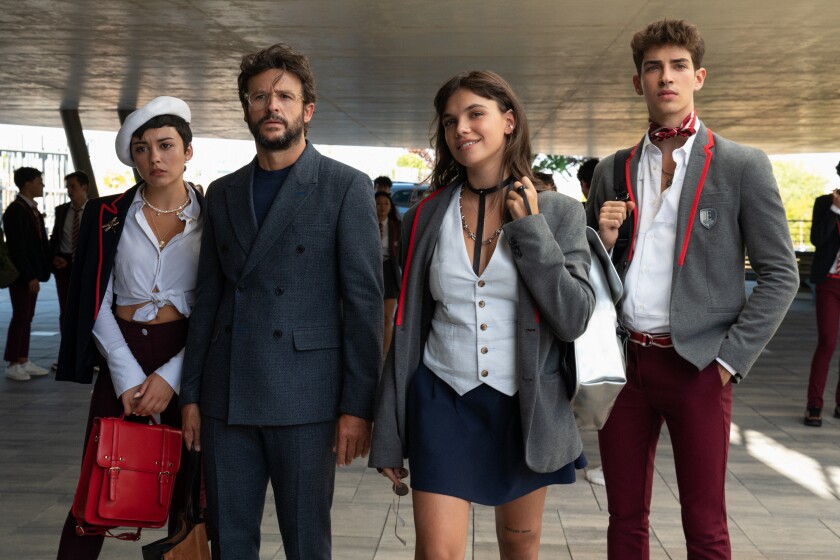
678	211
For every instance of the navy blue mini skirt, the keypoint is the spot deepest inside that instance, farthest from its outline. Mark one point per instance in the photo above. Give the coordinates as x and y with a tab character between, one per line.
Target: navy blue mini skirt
470	446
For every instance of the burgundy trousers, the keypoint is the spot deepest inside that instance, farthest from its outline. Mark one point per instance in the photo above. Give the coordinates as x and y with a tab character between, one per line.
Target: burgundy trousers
663	387
153	346
828	317
23	310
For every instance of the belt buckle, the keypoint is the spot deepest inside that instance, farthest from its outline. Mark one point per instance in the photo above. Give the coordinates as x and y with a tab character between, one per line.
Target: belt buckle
647	340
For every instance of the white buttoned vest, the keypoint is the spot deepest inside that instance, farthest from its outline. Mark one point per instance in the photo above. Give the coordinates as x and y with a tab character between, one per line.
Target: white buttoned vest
473	335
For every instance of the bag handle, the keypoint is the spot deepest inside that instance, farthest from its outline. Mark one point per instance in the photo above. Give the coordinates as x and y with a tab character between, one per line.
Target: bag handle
152	420
192	505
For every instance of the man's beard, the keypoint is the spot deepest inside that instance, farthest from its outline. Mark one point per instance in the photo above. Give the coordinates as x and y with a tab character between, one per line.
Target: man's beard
291	135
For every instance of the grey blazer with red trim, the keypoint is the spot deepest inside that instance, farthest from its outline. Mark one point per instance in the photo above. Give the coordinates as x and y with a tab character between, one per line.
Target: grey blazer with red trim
555	302
739	209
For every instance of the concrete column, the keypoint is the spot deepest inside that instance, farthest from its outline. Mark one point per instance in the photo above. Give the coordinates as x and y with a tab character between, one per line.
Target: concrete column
78	148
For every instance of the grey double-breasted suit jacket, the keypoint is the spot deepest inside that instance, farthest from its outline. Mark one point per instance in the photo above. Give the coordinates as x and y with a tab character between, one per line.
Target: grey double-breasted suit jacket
738	209
287	323
555	302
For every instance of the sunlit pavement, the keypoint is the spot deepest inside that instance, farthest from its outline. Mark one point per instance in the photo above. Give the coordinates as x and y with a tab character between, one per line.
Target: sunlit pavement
783	485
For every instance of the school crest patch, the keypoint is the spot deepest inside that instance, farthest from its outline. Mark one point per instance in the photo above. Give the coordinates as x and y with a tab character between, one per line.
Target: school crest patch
708	217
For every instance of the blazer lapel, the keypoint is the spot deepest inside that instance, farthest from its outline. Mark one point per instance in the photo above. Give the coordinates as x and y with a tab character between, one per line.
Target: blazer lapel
111	222
691	184
419	248
239	198
302	180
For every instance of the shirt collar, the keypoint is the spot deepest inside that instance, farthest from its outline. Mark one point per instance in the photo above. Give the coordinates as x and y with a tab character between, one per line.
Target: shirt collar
29	201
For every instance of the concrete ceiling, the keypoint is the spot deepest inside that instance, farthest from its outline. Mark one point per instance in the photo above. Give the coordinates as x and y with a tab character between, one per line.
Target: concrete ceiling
772	64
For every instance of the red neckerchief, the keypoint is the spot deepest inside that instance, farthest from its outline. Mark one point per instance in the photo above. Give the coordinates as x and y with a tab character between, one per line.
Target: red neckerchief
686	128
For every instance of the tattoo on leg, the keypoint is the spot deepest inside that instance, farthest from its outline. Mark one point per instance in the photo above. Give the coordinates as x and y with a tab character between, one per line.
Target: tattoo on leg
517	531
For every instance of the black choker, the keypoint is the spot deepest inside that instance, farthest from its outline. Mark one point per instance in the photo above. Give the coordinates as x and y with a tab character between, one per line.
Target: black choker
479	233
491	190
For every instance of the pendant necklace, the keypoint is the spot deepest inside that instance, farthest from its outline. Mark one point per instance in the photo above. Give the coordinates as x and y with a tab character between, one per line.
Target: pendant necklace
670	180
161	238
158	211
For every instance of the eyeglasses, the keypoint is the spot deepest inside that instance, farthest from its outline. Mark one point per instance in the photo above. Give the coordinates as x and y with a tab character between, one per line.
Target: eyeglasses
259	100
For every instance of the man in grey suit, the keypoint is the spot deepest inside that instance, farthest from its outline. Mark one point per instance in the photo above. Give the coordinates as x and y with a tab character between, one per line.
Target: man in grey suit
285	339
678	211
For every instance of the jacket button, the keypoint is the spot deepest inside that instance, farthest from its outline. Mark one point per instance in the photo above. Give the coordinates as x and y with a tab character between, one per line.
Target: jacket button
481	283
481	303
484	373
240	289
483	326
278	334
483	349
278	291
300	249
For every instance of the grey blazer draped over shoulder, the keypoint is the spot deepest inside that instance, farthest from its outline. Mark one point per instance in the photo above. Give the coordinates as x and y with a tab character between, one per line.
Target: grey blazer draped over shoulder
555	302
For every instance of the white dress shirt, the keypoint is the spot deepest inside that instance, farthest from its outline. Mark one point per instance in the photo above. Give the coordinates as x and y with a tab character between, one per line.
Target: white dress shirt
473	335
143	273
66	245
384	238
647	285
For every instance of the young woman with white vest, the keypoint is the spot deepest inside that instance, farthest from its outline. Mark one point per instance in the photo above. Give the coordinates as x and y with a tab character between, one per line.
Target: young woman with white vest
495	286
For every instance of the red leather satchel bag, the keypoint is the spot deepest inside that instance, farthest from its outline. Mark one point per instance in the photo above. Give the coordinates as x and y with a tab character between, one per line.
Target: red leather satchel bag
127	478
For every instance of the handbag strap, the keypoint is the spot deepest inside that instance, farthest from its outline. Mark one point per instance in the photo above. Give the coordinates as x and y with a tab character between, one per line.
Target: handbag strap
621	193
192	504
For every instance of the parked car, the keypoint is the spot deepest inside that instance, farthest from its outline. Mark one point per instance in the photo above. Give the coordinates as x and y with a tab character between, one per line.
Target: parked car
406	195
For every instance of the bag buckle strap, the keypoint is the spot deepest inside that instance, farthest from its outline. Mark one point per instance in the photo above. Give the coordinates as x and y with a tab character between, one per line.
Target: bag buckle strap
164	479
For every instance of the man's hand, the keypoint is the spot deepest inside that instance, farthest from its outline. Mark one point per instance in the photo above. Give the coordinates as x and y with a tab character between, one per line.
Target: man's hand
34	286
191	425
352	439
613	213
59	262
725	376
154	395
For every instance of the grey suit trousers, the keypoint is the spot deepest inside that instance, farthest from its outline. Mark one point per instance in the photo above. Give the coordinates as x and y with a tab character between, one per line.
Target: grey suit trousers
239	461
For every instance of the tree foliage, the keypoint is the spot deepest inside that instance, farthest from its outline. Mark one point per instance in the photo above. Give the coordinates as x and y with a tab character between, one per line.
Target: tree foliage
416	159
556	163
798	189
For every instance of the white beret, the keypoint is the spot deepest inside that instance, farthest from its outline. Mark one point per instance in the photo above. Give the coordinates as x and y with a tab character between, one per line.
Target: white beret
163	105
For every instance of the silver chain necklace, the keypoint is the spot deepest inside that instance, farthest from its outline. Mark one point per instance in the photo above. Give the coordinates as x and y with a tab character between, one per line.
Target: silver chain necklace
466	227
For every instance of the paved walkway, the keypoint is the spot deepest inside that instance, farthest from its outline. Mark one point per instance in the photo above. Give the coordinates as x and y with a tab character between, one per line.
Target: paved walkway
783	478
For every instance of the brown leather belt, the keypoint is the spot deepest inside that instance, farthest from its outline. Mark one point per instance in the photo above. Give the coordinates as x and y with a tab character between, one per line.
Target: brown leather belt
646	340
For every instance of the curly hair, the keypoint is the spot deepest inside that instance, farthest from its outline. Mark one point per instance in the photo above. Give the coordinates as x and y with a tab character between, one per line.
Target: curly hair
677	32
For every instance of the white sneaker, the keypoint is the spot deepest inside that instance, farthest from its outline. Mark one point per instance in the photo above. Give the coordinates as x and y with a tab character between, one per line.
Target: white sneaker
33	370
17	373
596	476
